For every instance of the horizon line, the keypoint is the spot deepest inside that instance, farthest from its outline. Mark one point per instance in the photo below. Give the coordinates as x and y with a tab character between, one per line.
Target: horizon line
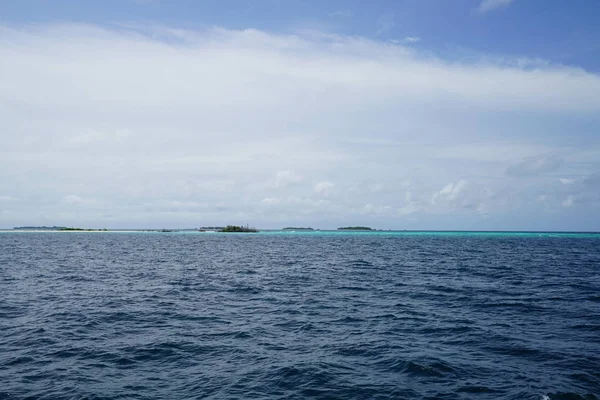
335	230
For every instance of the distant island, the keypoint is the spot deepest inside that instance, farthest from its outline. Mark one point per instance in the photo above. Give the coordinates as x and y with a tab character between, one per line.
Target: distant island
238	229
355	228
291	228
55	228
39	228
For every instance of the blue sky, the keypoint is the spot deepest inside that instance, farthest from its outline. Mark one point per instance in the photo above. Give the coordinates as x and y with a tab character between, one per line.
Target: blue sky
463	114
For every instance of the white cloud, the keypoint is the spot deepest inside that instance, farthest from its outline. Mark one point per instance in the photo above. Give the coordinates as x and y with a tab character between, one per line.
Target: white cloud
409	208
412	39
286	178
377	209
150	125
73	199
94	138
187	205
271	200
569	201
567	181
490	5
449	192
323	187
376	187
406	41
535	166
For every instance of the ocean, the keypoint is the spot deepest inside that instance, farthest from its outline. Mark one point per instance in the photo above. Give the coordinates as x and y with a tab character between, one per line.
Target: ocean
307	315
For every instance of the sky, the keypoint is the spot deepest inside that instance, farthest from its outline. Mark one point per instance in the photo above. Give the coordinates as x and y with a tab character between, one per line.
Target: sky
403	114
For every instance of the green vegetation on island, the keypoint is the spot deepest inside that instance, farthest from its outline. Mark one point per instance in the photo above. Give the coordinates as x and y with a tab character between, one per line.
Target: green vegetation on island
38	228
355	228
210	228
238	229
291	228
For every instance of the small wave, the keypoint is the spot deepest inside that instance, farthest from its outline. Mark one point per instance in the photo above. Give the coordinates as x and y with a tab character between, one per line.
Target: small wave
354	288
569	396
586	327
19	360
360	263
514	304
348	320
246	290
517	350
447	330
357	350
415	369
475	389
304	377
248	272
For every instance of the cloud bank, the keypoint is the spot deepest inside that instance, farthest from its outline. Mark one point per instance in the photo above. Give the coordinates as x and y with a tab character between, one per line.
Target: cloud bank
491	5
152	126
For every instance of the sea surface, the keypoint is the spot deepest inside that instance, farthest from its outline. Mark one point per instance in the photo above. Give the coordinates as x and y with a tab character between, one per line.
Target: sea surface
311	315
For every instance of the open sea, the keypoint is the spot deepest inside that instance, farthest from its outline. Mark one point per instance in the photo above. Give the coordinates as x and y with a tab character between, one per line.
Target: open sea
312	315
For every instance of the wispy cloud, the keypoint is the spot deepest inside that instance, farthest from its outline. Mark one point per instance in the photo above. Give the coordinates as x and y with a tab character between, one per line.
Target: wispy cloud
567	181
535	166
286	178
491	5
449	192
342	14
74	200
324	188
406	41
412	39
385	24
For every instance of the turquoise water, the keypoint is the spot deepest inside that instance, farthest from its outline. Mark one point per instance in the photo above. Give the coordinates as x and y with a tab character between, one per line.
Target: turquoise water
441	233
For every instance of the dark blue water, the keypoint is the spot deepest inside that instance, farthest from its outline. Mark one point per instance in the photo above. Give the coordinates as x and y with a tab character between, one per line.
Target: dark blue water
140	316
